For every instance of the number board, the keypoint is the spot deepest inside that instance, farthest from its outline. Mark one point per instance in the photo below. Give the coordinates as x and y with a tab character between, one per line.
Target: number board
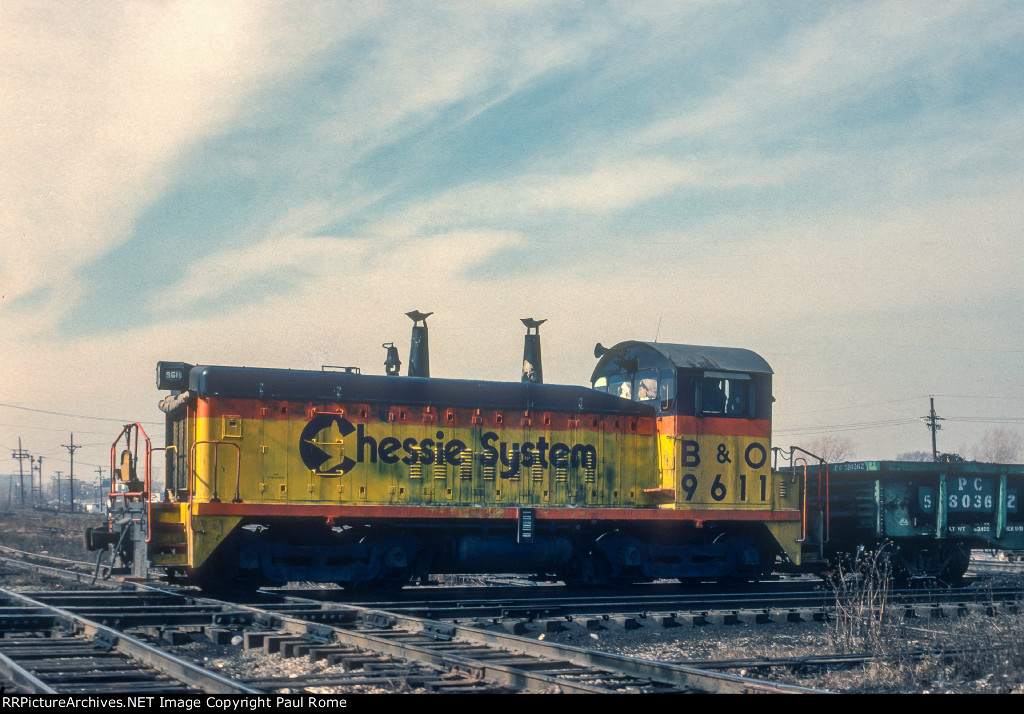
970	494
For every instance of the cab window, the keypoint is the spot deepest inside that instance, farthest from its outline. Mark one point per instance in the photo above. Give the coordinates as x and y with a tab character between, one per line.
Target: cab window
725	395
647	385
621	386
666	391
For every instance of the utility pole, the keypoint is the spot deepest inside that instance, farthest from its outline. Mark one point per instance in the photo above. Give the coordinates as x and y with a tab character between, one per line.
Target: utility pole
37	465
932	421
99	487
21	455
71	450
59	474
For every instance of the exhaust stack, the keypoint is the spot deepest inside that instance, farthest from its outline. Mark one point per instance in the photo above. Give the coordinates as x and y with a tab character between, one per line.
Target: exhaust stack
532	371
419	352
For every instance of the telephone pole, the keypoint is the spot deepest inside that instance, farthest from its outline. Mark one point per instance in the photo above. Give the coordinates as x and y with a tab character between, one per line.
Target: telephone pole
37	466
99	487
21	455
71	450
932	421
59	474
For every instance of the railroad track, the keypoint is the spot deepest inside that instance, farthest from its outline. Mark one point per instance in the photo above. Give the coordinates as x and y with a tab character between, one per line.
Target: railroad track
512	661
48	649
840	661
95	641
672	607
349	646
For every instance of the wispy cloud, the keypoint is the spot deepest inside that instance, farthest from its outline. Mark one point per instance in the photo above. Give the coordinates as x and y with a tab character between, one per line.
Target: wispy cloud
251	183
99	104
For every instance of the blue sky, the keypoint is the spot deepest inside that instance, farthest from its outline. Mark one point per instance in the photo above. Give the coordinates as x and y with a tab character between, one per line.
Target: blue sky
836	186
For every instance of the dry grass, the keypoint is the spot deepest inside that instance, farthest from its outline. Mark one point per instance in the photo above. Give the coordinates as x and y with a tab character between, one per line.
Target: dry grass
981	654
47	533
863	619
977	652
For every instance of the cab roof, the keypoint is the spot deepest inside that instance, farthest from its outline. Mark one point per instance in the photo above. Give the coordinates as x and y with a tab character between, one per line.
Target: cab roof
663	355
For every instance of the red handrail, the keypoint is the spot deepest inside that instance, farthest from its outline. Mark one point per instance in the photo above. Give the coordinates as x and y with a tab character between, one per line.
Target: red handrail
133	453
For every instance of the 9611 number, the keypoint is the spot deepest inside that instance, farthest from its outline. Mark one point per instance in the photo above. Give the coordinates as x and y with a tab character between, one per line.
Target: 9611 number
719	490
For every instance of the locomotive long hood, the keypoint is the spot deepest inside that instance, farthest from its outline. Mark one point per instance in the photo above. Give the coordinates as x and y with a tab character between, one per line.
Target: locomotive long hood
283	384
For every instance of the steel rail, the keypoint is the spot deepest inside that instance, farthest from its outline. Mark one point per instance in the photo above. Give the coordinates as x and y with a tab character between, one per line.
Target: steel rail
768	606
55	572
834	661
498	674
133	648
22	678
679	677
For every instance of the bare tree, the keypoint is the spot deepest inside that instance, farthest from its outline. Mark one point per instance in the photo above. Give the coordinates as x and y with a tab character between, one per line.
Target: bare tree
999	446
831	448
914	456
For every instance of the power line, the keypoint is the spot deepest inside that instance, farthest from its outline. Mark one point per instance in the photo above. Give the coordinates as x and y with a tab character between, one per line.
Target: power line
52	428
73	416
855	426
852	406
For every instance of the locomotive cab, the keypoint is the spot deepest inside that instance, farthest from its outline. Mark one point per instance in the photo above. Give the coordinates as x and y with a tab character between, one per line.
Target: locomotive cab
687	380
713	418
713	409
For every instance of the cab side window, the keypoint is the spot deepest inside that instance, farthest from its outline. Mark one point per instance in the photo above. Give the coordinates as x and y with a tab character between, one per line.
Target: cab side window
621	386
725	395
666	391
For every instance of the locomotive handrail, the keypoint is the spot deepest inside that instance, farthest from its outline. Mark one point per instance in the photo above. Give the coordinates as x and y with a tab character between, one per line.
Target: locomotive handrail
127	429
822	466
238	470
133	455
167	479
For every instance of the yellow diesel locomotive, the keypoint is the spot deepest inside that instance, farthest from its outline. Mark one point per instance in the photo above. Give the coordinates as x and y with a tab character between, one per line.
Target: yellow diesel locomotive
660	469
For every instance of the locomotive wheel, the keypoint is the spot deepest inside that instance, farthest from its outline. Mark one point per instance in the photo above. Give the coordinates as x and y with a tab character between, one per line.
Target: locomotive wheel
381	585
743	572
589	570
220	575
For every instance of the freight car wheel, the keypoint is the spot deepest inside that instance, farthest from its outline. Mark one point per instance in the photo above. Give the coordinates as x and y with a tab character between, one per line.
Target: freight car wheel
959	562
945	563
